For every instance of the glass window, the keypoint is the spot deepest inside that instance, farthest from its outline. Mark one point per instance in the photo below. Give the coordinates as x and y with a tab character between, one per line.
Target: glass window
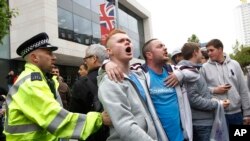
124	29
82	30
5	47
96	30
65	4
65	19
141	33
95	5
136	46
82	26
123	18
132	24
96	40
65	23
84	3
133	35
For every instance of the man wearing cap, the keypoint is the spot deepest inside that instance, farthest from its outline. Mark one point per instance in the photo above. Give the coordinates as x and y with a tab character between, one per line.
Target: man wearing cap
34	108
176	56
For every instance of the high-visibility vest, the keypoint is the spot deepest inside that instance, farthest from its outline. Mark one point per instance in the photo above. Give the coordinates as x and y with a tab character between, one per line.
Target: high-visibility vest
33	113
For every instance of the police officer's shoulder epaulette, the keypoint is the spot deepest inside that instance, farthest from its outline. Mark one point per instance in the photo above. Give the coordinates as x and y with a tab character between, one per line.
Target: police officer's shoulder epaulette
36	76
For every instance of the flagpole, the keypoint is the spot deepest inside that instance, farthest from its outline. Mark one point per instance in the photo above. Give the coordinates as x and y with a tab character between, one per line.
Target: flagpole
116	14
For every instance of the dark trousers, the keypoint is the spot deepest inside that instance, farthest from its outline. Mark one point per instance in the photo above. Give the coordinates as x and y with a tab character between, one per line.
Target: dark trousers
101	135
201	133
234	119
2	136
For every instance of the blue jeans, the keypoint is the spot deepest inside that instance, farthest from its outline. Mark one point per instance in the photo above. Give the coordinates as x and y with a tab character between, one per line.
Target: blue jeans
201	133
235	119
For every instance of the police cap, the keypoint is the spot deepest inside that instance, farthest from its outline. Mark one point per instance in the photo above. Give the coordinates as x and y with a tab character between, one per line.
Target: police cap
40	40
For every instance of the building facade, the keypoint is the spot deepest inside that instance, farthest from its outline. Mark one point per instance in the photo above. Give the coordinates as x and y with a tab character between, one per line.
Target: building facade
72	25
242	14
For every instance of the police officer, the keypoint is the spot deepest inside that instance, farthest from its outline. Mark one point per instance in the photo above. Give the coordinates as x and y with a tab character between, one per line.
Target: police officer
34	109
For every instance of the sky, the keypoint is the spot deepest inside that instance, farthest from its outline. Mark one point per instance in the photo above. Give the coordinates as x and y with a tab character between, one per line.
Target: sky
174	21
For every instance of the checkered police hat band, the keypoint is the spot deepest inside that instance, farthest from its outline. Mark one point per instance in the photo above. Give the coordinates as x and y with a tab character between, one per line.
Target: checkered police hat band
34	46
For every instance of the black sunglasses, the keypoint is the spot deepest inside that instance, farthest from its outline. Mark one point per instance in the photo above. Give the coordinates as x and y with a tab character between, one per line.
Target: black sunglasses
88	57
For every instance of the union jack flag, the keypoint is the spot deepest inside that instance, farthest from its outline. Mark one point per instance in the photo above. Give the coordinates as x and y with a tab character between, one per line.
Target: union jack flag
107	19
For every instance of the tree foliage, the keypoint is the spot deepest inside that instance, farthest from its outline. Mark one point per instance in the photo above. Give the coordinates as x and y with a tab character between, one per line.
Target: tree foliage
193	38
5	18
241	54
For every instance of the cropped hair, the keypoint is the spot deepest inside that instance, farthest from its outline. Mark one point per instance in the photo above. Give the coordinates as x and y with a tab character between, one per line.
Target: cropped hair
146	47
113	32
188	50
97	50
216	43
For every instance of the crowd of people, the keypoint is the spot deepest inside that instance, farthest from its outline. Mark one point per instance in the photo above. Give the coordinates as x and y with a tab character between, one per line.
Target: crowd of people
114	100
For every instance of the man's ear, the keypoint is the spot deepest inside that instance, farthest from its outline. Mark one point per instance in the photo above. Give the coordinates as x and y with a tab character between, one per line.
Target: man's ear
34	58
194	53
109	51
149	55
95	58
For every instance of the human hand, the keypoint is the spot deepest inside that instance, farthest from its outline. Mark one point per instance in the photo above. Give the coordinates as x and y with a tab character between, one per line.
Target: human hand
225	103
171	80
11	72
222	89
2	112
106	119
114	72
246	120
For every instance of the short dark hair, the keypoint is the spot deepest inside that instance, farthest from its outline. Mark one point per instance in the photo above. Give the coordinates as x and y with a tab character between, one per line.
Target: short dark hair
188	50
205	54
55	67
216	43
145	47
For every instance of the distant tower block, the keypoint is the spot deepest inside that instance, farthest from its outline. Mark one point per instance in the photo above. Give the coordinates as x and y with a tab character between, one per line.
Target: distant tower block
243	1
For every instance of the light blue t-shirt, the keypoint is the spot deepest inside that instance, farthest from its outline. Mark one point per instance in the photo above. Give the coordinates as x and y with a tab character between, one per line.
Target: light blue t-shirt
166	104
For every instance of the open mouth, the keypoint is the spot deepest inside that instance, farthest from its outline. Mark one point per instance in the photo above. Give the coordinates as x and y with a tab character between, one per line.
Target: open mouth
128	49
